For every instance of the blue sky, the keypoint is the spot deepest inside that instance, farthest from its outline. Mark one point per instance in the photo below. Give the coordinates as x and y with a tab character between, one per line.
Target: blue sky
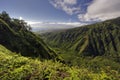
52	14
38	10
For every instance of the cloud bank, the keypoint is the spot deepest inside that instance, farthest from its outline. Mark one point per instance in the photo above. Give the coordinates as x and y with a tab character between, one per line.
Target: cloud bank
66	5
97	10
40	26
102	10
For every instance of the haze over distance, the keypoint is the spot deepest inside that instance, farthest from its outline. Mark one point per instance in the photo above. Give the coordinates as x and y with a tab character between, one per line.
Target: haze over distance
44	15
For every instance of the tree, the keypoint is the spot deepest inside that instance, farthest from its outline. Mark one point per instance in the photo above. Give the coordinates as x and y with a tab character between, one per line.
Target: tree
5	16
15	24
19	25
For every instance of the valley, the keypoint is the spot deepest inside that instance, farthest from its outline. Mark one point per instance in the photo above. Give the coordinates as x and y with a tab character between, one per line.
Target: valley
89	52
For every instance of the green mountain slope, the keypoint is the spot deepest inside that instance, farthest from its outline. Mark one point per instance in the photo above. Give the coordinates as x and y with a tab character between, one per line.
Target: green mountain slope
17	67
15	36
92	40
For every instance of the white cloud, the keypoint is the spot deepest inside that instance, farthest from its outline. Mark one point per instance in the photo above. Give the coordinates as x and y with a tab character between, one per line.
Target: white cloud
20	18
102	10
97	10
72	2
75	24
33	22
39	26
66	5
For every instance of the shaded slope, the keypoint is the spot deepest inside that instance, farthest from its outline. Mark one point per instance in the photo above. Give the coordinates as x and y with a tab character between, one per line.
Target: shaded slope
92	40
24	42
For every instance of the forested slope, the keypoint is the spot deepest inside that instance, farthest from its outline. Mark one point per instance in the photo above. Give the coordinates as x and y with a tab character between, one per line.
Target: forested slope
15	35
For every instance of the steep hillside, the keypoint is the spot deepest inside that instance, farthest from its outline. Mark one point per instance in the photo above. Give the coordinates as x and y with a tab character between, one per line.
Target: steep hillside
14	35
17	67
92	40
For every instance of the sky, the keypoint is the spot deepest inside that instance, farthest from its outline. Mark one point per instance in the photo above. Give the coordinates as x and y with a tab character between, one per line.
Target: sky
59	14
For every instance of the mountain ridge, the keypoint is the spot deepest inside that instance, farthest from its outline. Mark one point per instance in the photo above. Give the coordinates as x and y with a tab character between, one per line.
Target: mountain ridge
92	40
15	36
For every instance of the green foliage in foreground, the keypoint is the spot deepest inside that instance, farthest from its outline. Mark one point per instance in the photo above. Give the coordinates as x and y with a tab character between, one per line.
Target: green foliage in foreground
16	67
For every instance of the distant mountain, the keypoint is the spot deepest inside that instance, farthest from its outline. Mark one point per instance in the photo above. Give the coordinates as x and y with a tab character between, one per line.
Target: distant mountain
92	40
17	37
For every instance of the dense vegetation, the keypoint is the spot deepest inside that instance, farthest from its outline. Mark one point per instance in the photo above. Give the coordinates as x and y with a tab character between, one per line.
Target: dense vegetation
15	34
89	53
16	67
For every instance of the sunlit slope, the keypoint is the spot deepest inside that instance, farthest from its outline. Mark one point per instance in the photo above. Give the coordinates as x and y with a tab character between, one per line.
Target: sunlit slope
17	67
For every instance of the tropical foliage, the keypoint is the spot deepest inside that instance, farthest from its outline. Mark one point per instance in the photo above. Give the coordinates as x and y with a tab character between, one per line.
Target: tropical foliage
16	67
